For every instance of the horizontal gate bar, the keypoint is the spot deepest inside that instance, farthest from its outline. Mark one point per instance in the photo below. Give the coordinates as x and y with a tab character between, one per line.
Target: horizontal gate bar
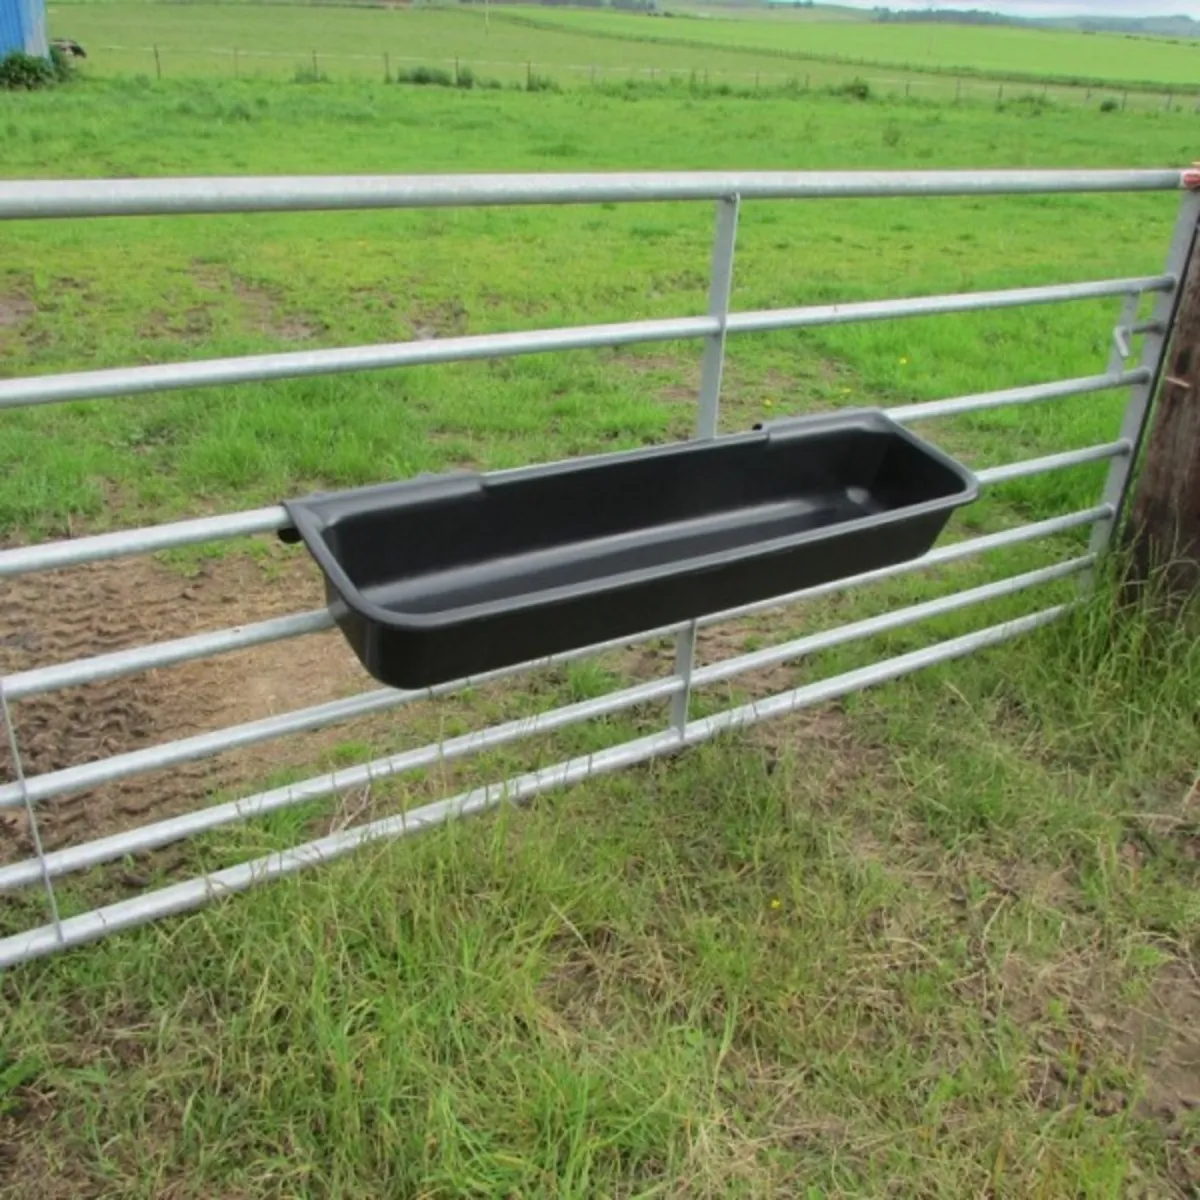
160	833
935	306
150	539
252	733
320	787
295	364
166	197
1022	395
940	556
168	754
78	672
876	673
899	618
48	556
83	671
1053	462
195	893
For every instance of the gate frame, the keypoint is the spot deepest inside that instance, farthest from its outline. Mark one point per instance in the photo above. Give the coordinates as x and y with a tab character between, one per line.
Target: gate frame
77	199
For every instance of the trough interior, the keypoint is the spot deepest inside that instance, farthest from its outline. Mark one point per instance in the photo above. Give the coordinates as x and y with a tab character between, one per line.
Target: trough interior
575	526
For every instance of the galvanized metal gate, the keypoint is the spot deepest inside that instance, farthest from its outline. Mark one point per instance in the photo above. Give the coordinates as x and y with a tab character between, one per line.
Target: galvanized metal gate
44	200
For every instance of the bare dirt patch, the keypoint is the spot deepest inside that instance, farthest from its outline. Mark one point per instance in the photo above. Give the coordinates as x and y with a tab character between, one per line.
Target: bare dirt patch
193	324
112	606
264	308
31	1163
1158	1037
265	311
439	319
747	398
1163	1035
16	311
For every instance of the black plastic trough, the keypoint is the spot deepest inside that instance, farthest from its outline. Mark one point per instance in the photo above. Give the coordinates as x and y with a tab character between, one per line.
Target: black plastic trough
441	577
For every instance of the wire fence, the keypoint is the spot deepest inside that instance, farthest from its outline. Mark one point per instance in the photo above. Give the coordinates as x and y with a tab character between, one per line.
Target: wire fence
311	64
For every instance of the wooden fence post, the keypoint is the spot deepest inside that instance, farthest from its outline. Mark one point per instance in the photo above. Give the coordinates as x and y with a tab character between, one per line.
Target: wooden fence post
1164	525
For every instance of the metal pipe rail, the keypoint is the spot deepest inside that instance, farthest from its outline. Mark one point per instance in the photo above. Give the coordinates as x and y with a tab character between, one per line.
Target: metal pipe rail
37	788
317	193
82	671
195	893
1054	462
99	198
149	837
259	368
51	556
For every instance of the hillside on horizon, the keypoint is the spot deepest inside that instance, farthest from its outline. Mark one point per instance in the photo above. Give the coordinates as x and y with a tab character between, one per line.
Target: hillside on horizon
1168	26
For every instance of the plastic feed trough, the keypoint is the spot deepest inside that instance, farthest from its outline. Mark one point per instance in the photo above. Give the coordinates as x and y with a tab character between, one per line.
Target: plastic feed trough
441	577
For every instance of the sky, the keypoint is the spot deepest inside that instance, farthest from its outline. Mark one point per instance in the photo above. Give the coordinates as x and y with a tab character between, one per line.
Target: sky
1050	8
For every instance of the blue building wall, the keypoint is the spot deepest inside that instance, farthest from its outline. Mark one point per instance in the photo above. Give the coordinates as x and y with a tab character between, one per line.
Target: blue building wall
23	26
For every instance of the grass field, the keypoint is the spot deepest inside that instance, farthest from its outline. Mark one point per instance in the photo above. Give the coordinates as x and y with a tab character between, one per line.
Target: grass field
990	51
939	940
157	289
574	49
200	40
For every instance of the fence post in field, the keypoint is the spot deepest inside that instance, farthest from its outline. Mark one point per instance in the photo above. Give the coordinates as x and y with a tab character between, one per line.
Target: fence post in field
529	76
387	67
456	70
236	72
957	90
720	285
1124	100
157	64
1164	522
316	68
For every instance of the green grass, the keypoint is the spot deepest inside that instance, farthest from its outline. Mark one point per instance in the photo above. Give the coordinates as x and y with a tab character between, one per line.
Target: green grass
150	290
999	51
575	49
937	940
908	956
273	40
